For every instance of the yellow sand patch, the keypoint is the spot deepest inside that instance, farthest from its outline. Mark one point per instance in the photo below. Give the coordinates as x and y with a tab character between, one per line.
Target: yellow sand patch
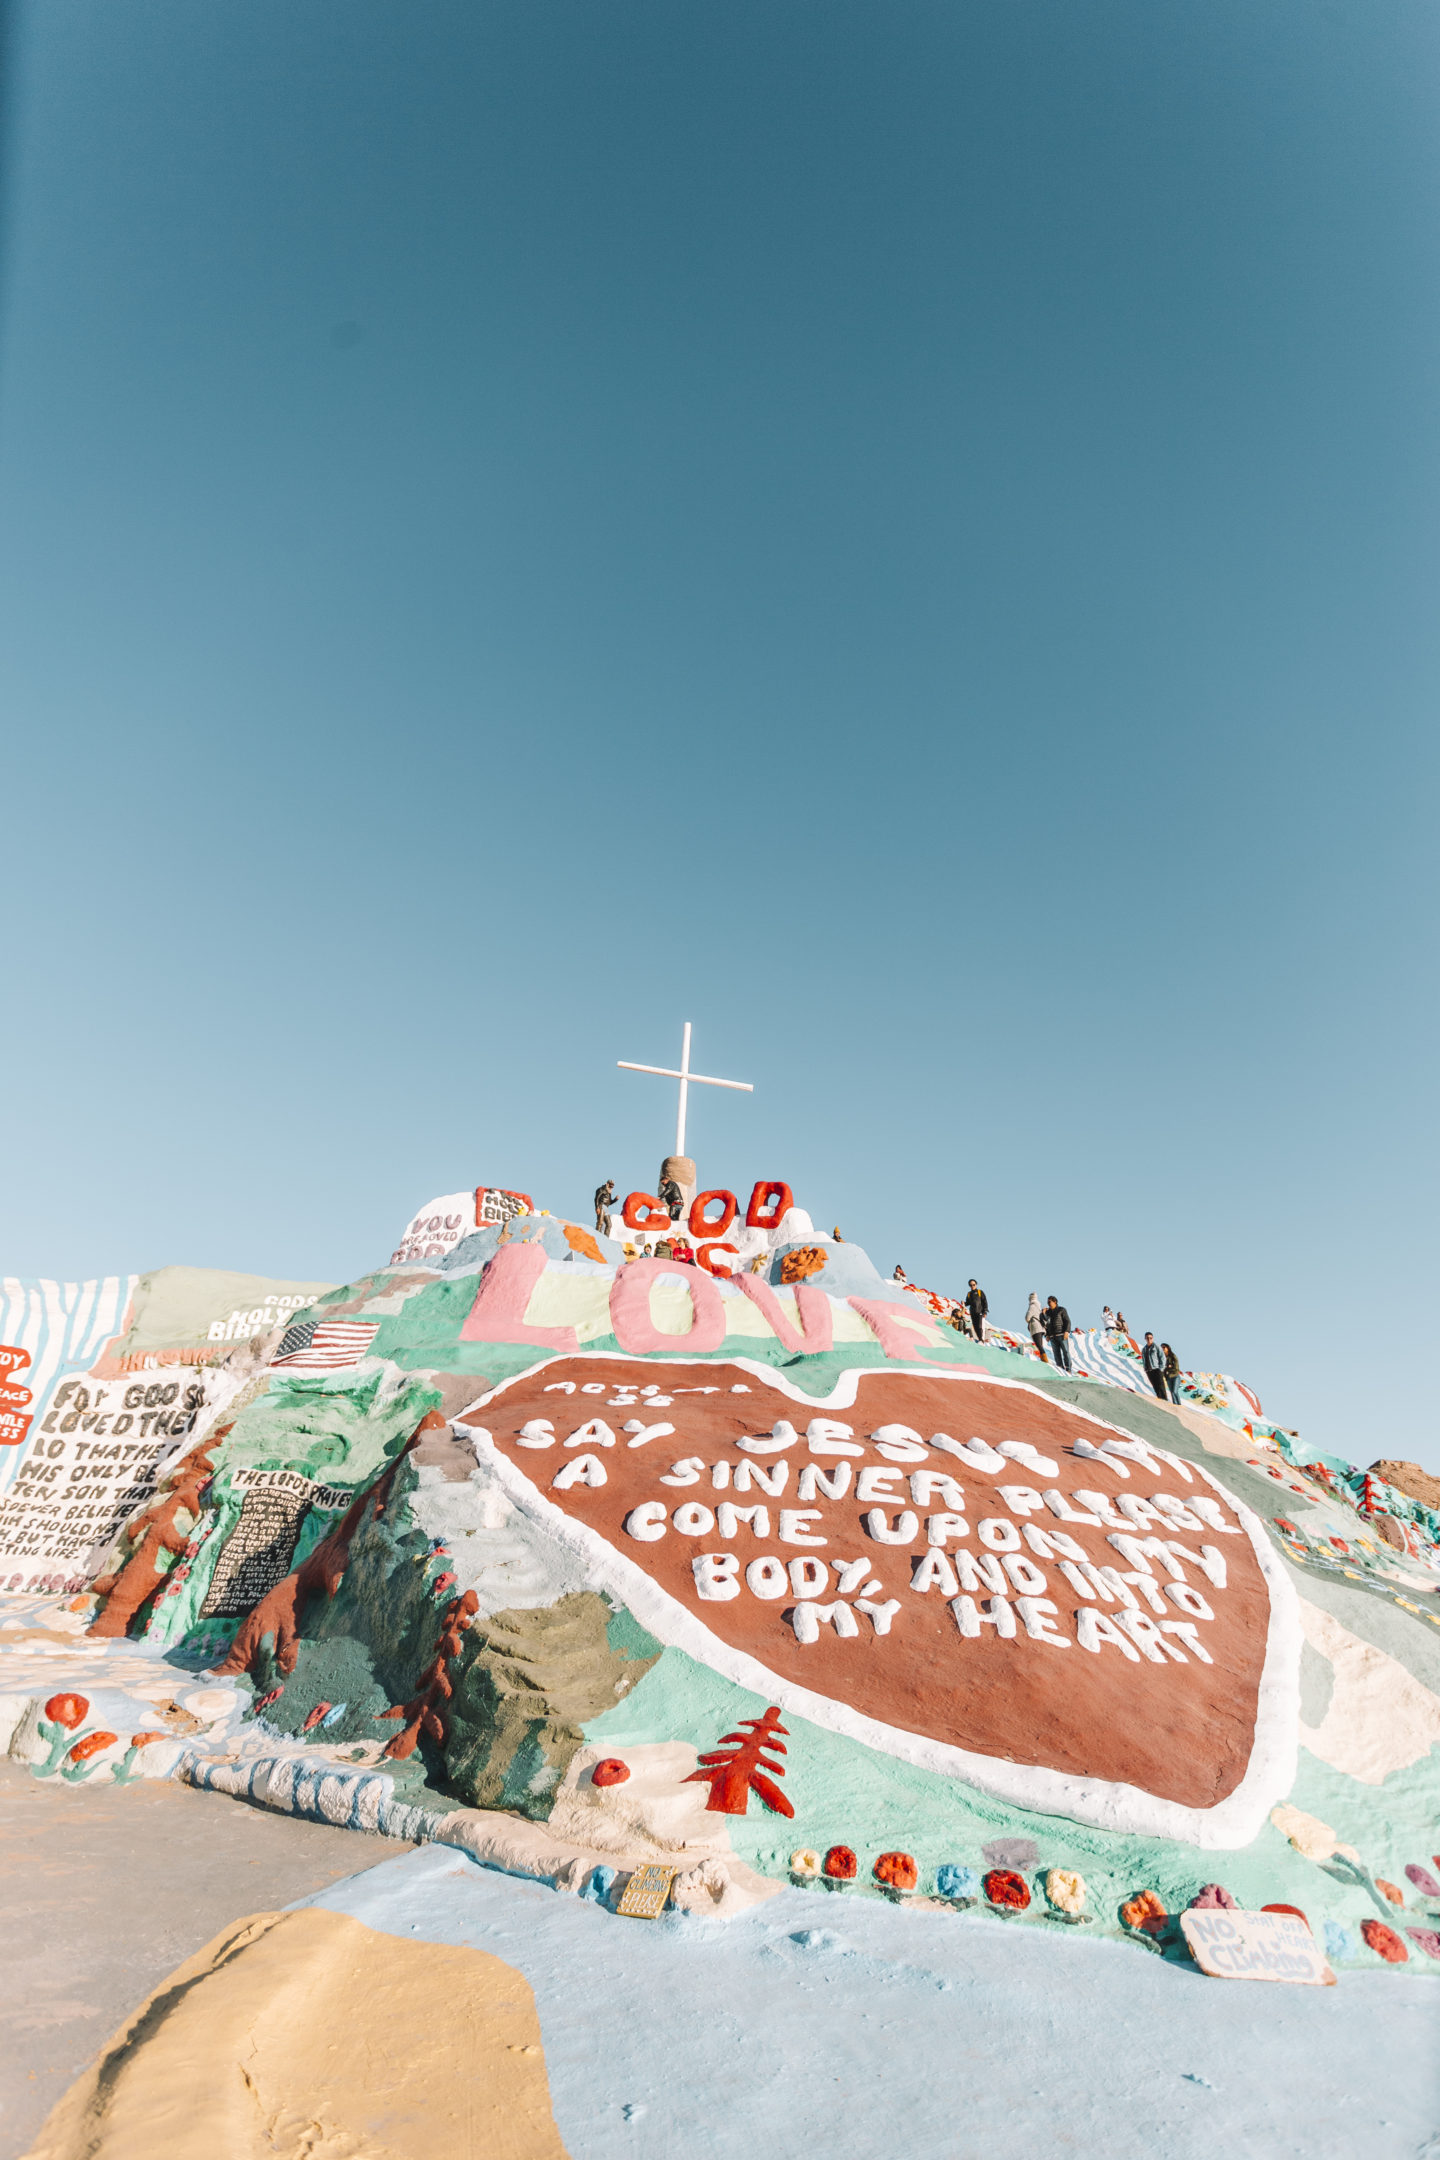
309	2036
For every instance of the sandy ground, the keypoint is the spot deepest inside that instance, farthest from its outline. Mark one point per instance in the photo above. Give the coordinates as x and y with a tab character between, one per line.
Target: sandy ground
105	1890
843	2028
876	2031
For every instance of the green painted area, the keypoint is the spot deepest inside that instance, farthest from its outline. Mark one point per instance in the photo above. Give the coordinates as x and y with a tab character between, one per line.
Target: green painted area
523	1682
338	1429
530	1683
430	1322
337	1675
848	1794
333	1426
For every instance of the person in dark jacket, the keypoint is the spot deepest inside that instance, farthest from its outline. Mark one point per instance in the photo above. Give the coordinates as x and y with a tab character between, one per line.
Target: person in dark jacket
671	1198
1172	1372
977	1305
1057	1333
604	1201
1152	1357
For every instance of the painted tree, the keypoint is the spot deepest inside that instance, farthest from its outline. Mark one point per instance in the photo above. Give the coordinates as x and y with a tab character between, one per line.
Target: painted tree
744	1762
155	1537
426	1712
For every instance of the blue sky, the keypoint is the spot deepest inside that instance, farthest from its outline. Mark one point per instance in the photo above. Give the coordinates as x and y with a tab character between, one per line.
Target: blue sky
905	535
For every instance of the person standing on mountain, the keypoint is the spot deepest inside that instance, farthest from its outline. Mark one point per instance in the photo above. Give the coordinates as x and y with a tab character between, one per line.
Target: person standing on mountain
1035	1326
1172	1373
977	1305
1152	1357
604	1201
1057	1333
671	1198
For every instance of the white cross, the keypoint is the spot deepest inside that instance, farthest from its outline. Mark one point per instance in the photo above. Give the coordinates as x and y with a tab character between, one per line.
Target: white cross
684	1076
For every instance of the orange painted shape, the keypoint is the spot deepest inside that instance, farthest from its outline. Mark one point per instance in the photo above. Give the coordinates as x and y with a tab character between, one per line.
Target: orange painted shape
644	1212
92	1744
770	1202
700	1225
712	1267
897	1869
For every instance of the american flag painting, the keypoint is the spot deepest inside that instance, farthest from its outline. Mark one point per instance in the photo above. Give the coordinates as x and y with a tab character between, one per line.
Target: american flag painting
322	1345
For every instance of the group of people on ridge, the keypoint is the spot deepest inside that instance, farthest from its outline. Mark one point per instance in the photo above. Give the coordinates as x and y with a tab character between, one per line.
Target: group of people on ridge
1049	1329
1047	1325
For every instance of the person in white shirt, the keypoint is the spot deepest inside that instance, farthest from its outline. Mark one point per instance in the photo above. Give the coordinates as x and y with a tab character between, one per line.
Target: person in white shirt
1035	1327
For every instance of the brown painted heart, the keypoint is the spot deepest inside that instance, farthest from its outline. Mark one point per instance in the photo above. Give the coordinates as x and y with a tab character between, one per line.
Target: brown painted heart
942	1601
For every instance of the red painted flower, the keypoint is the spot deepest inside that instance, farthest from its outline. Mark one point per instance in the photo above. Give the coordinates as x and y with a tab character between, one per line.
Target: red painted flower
321	1709
143	1739
1428	1940
92	1744
441	1584
841	1864
67	1710
898	1870
610	1772
1295	1909
1384	1942
1004	1887
1389	1890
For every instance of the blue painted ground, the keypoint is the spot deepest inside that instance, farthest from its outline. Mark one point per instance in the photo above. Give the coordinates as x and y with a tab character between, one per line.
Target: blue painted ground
847	2028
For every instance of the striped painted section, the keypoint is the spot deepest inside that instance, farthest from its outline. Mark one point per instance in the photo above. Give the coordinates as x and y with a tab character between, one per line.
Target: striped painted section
1103	1358
64	1326
353	1800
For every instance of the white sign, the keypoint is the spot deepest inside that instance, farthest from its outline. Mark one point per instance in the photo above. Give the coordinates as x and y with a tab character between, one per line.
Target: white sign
91	1462
1233	1945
